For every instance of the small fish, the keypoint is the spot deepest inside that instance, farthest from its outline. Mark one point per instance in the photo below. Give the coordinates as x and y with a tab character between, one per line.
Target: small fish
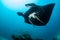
37	15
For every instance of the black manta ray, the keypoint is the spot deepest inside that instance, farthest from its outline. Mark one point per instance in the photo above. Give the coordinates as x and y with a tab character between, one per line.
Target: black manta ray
37	15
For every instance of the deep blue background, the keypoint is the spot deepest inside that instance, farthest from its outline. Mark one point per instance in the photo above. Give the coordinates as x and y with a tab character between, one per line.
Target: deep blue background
11	23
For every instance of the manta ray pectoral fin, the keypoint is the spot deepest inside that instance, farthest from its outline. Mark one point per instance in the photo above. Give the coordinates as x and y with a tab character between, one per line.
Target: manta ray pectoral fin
48	8
30	4
48	11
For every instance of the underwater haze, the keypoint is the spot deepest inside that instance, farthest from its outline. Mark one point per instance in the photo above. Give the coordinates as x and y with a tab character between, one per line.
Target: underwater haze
11	23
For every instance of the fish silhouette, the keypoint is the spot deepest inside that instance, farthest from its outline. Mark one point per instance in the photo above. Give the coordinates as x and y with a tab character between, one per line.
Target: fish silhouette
37	15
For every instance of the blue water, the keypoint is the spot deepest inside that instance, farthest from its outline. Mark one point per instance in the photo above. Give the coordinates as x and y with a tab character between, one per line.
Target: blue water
11	23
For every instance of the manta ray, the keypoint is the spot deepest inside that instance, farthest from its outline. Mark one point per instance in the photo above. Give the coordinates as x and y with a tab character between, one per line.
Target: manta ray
37	15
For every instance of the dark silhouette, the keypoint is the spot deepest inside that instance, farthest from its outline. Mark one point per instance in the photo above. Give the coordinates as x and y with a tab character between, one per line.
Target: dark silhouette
23	37
37	15
55	38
